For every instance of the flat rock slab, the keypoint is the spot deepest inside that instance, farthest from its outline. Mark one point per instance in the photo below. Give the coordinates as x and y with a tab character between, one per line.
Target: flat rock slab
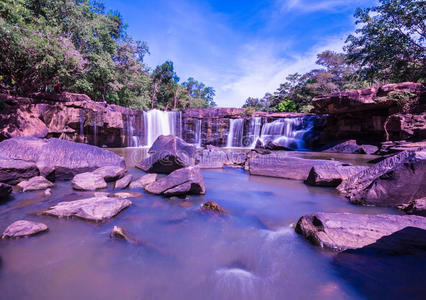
93	209
14	171
279	164
330	175
35	184
144	181
341	231
88	182
111	173
23	228
123	182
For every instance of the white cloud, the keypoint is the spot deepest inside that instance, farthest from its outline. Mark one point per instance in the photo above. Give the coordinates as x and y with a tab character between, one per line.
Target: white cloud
308	6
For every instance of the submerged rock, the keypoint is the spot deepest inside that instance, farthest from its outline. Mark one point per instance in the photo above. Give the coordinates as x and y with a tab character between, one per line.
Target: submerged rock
111	173
126	195
93	209
23	228
143	181
88	182
5	190
180	182
14	171
168	153
123	182
211	206
57	158
394	181
118	233
35	184
342	231
330	175
416	207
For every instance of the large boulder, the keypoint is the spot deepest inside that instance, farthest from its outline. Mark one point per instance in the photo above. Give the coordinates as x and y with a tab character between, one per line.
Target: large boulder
35	184
5	190
88	181
167	154
331	175
93	209
180	182
14	171
57	158
394	181
278	164
23	228
341	231
143	181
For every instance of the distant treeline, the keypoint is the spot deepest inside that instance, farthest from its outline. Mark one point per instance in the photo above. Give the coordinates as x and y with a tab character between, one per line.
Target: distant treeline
75	45
388	46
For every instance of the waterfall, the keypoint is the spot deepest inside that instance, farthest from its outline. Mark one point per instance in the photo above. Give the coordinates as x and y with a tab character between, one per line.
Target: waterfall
157	122
235	135
287	132
255	126
132	137
198	132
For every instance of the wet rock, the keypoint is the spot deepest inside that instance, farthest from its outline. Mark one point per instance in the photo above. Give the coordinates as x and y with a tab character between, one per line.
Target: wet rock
126	195
143	181
23	228
35	184
93	209
48	192
211	206
342	231
123	182
351	146
216	159
367	149
180	182
278	164
271	145
118	233
168	153
88	182
5	190
111	173
14	171
416	207
394	181
57	158
329	175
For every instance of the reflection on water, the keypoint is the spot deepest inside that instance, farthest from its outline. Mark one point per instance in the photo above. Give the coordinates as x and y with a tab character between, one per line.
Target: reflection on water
252	253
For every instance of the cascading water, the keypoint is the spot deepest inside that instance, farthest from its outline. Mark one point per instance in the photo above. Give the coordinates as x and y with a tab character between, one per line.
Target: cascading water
235	136
255	127
159	122
287	132
198	133
132	139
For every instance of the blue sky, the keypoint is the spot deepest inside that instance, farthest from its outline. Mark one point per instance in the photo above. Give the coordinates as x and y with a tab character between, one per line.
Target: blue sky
241	48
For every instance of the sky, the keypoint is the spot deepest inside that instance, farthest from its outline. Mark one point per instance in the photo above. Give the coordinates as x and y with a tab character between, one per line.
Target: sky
242	48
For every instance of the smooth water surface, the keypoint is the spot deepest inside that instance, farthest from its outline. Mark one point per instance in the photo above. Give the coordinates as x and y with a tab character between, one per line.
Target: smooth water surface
179	253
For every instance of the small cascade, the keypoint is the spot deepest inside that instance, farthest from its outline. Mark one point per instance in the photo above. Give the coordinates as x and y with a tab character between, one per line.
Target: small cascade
287	132
95	129
198	133
157	122
235	136
255	127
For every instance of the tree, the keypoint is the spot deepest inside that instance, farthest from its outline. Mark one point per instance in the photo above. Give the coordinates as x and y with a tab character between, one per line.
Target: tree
287	106
390	43
164	75
200	95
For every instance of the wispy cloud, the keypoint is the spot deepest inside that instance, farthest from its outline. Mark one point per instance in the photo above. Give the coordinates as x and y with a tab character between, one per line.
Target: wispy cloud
309	6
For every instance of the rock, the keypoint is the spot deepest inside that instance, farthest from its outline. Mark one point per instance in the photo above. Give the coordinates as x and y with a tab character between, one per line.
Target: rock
168	153
394	181
271	145
111	173
340	231
350	146
48	192
331	175
180	182
126	195
118	233
143	181
216	159
57	158
367	149
211	206
23	228
416	207
88	182
14	171
278	164
35	184
5	190
123	182
93	209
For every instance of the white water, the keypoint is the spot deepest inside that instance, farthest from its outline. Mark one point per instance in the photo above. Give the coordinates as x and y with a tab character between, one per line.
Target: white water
256	124
159	122
198	133
132	139
235	135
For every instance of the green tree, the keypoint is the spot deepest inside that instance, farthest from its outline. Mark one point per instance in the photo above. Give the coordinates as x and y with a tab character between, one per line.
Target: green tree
287	106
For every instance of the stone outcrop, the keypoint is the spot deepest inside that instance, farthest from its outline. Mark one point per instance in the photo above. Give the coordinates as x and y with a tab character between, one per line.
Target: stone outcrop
57	158
278	164
341	231
331	175
88	181
123	182
144	181
167	154
93	209
394	181
14	171
180	182
23	228
5	190
35	184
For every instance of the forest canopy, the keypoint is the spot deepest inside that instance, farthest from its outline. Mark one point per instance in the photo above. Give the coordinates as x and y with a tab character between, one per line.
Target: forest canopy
77	46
